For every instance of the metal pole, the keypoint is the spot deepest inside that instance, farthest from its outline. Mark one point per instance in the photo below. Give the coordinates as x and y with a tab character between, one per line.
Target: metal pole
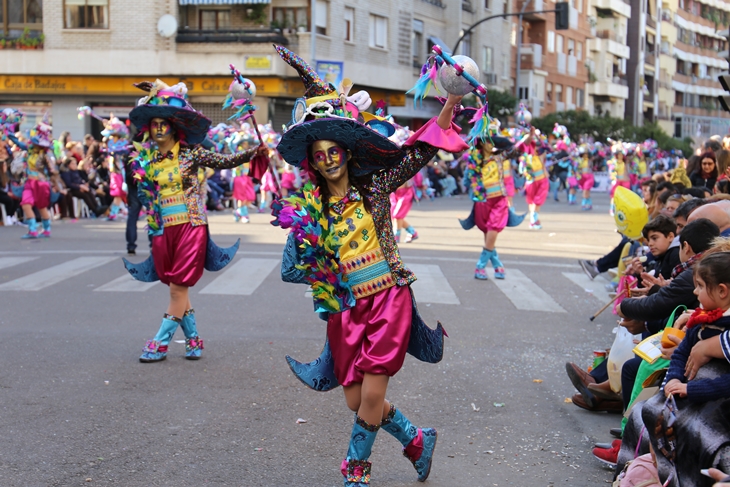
518	64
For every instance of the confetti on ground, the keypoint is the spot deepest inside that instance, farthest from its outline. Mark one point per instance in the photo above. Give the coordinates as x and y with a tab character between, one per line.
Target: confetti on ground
537	381
474	407
498	404
300	421
568	400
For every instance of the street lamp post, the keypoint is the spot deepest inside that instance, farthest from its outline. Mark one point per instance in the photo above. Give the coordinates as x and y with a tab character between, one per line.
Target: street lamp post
519	54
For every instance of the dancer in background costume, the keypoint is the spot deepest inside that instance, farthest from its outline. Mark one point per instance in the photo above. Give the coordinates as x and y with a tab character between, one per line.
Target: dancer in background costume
169	178
537	184
341	243
39	166
586	179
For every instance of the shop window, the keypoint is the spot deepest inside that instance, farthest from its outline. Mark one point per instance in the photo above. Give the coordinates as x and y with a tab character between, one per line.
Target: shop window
18	15
86	14
378	31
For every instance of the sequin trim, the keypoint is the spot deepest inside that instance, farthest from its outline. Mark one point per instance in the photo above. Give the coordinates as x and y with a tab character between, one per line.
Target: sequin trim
195	343
173	318
365	425
190	312
367	273
154	346
358	471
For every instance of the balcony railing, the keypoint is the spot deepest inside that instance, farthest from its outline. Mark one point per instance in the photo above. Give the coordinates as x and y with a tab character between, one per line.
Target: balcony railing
531	55
245	36
610	35
650	22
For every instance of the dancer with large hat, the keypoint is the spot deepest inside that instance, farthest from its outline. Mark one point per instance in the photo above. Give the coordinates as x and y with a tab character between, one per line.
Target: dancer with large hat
166	165
341	243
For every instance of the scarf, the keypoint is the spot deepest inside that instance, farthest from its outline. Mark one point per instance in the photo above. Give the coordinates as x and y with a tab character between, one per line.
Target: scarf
703	317
683	266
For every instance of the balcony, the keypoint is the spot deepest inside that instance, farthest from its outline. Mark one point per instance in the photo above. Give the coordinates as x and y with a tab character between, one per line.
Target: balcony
238	36
650	22
620	7
531	56
609	44
609	88
562	63
572	65
666	16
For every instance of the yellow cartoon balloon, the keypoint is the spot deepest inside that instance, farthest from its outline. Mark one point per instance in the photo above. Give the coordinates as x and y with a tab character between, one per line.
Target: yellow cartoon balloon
630	213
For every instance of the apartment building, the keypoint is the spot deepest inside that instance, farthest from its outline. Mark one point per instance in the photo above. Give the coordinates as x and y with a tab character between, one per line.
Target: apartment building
553	75
608	54
643	65
696	112
58	55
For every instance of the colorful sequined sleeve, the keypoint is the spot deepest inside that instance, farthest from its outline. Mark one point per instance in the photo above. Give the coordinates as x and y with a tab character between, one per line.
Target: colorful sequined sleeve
203	157
417	156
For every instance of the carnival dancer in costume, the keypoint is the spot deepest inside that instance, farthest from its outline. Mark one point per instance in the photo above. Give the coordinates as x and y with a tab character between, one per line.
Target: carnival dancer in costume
341	243
40	165
244	193
536	184
169	183
485	177
118	145
586	179
620	170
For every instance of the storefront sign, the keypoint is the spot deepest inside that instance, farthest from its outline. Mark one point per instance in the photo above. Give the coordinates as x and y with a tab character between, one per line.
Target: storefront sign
256	62
331	71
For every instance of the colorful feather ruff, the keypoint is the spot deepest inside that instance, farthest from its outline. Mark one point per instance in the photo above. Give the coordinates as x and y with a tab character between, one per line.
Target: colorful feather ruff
317	248
423	86
147	188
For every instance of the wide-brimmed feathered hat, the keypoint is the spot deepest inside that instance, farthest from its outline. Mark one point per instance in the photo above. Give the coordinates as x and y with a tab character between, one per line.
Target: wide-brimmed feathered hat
325	114
170	103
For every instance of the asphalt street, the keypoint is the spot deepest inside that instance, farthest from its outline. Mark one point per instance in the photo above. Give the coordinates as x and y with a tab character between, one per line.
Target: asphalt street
77	408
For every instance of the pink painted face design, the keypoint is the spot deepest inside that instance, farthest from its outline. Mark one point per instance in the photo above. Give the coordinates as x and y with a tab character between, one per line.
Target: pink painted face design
331	156
330	160
160	129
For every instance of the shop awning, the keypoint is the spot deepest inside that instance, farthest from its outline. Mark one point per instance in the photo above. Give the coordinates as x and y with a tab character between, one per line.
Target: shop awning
222	2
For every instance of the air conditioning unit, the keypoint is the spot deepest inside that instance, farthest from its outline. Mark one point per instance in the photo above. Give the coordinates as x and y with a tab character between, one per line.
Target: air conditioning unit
491	78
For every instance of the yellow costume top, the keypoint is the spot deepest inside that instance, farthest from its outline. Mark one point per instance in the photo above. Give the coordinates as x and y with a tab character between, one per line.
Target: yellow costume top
167	175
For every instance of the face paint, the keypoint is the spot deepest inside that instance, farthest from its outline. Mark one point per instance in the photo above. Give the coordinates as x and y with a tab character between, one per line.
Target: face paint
330	160
160	129
332	156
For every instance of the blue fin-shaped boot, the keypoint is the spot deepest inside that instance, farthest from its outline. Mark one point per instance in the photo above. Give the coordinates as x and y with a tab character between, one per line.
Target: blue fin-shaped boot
481	272
356	467
155	350
499	272
418	444
193	343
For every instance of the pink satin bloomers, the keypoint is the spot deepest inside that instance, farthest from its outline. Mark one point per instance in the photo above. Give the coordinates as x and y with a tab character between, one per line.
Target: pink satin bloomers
372	337
179	254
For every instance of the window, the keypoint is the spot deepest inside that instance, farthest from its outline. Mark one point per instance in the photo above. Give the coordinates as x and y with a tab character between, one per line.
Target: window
350	24
560	42
551	41
571	47
505	8
524	92
549	93
569	94
579	50
559	93
580	5
378	31
290	18
505	66
17	15
486	4
579	102
487	64
322	14
417	42
466	45
214	19
85	14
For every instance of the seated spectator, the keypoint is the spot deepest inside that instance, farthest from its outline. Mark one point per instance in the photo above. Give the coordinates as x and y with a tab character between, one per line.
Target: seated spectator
79	188
706	174
7	198
684	210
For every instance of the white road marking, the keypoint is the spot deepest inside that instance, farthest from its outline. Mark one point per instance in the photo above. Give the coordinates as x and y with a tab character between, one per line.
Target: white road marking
432	286
126	283
53	275
13	261
242	277
524	293
597	288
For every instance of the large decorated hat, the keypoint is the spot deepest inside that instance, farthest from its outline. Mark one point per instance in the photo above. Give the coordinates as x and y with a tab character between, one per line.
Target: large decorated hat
170	103
325	114
41	135
115	127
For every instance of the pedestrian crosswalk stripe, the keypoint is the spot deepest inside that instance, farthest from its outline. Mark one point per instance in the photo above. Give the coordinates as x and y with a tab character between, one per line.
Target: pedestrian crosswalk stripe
126	283
524	293
431	285
53	275
13	261
242	277
597	288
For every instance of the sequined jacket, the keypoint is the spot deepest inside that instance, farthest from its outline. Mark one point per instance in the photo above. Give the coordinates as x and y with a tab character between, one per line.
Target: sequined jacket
378	194
189	160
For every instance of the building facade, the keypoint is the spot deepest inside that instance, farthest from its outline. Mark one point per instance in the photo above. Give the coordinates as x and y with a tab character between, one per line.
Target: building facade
553	76
58	55
608	54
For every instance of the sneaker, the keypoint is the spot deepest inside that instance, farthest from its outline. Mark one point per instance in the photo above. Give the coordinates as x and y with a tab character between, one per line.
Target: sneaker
589	266
245	219
499	273
412	237
30	235
45	234
481	274
535	226
131	252
609	456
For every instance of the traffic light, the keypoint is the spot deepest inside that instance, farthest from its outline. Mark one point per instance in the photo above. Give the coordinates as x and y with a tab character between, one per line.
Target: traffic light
724	99
562	16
